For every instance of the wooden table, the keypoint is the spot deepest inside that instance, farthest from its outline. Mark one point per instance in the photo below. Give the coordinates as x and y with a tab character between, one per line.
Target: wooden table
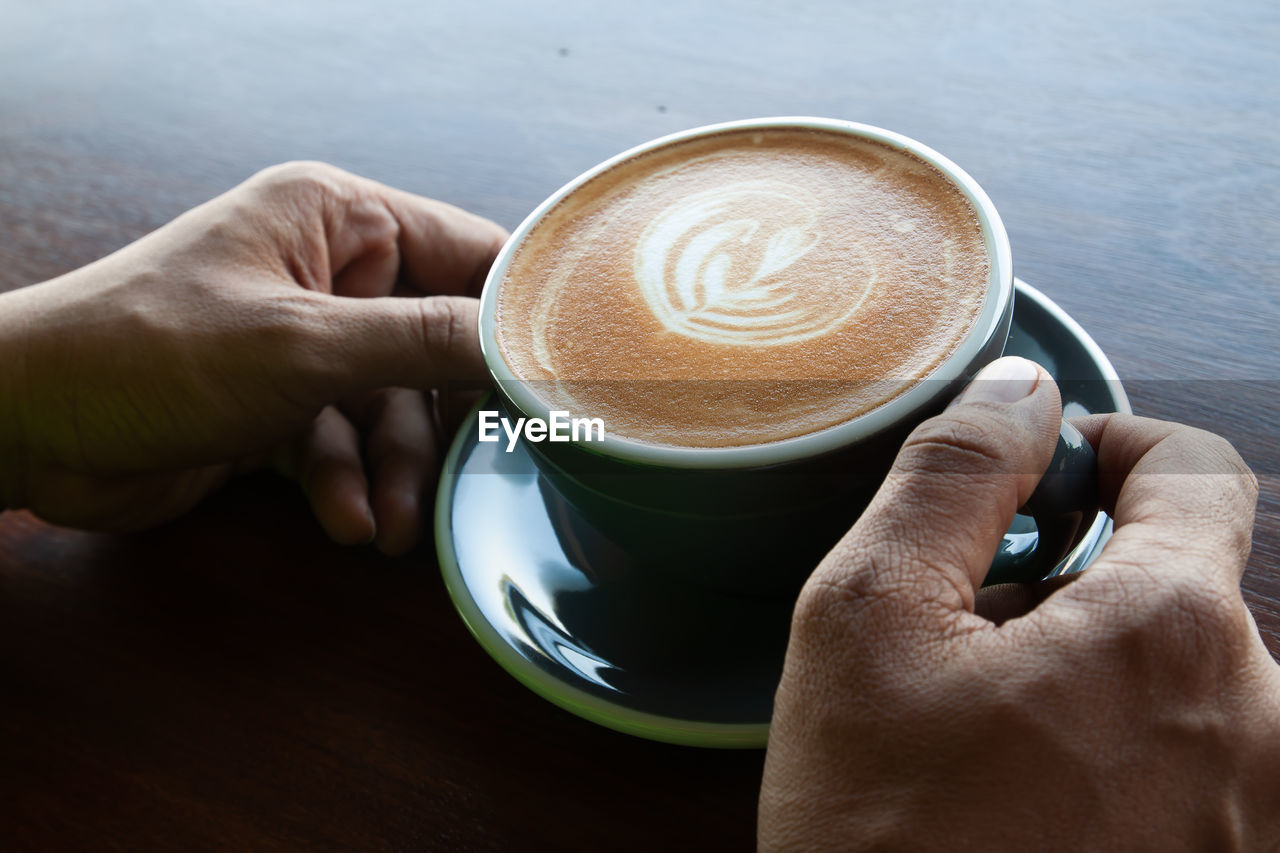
234	680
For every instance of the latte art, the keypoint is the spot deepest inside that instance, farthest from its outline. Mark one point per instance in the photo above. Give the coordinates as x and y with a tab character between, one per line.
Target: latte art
715	267
742	287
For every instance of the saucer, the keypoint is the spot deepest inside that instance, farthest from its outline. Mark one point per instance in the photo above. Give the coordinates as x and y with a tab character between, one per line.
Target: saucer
573	618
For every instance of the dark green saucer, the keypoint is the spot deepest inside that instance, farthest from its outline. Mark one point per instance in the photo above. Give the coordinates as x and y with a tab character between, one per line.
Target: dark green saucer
577	621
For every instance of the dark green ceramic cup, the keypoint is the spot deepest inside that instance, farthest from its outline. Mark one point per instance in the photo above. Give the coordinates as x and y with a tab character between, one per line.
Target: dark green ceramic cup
756	519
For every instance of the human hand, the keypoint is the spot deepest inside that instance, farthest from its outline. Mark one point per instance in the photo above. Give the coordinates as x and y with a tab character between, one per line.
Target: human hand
263	327
1134	707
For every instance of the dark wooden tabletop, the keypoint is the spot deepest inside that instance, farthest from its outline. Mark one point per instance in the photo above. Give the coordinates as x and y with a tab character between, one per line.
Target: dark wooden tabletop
234	680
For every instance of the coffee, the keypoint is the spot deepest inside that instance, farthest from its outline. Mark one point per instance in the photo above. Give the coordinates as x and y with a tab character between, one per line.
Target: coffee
743	287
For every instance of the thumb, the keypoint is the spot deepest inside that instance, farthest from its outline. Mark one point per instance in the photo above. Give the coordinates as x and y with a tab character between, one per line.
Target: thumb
929	535
397	342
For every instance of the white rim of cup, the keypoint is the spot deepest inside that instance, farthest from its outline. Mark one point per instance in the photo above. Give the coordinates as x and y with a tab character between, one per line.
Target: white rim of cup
998	298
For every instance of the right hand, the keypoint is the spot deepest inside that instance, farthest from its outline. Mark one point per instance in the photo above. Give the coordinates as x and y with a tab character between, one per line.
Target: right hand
1133	708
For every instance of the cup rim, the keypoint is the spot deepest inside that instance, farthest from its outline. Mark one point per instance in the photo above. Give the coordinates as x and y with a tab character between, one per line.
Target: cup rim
918	397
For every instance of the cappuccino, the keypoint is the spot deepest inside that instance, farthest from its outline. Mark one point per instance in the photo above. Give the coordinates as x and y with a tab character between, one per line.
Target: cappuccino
743	287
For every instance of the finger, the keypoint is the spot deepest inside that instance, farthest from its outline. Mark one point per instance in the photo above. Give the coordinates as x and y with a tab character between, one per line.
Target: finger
371	273
1002	602
1175	493
403	461
341	233
930	533
444	249
326	463
379	235
353	346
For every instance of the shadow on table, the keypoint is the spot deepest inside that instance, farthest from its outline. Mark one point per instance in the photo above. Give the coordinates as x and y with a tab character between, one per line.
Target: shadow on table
235	675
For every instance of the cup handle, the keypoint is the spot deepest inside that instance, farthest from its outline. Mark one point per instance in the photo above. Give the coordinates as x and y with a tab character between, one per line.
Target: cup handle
1066	496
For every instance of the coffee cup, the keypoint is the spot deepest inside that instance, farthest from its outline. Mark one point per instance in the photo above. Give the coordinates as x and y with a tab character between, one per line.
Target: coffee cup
747	319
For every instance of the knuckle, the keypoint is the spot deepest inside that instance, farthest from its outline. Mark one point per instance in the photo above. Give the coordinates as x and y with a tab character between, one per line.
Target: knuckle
858	628
1252	486
823	598
966	442
1229	461
1184	627
1223	486
1214	445
863	586
297	172
1141	586
447	322
1201	451
300	179
1217	618
378	227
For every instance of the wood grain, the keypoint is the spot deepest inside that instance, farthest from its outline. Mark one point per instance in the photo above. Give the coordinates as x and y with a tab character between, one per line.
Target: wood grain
232	680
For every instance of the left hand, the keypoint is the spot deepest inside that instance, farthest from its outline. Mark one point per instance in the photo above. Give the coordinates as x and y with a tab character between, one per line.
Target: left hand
262	327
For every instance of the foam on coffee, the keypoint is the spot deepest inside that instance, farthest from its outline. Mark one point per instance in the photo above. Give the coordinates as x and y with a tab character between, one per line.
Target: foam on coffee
743	287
